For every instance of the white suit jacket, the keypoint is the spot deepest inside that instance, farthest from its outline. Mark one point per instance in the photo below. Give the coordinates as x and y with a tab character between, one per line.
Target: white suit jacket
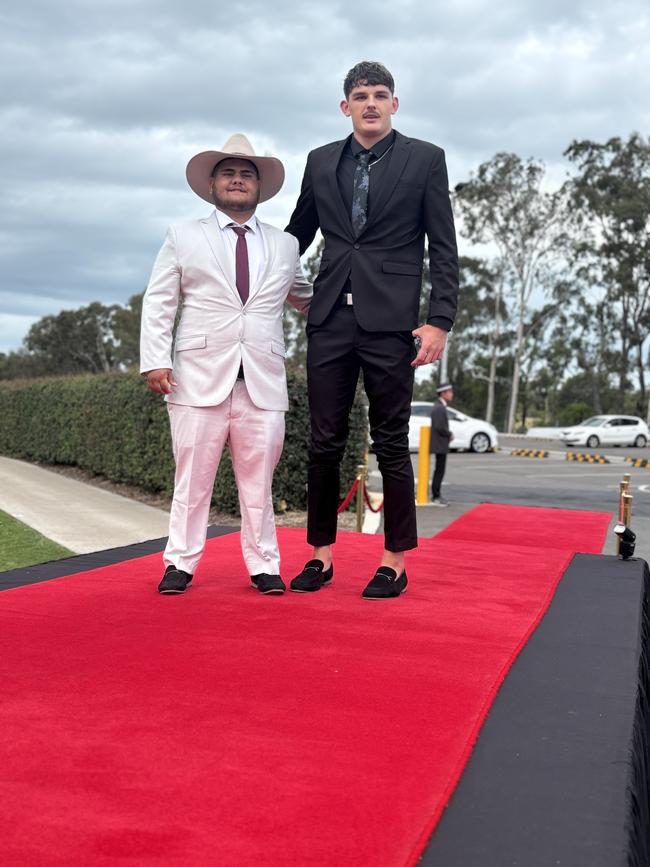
217	332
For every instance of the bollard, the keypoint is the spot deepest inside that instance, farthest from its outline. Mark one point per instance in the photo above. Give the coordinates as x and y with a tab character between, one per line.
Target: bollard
623	488
362	472
422	496
627	508
625	536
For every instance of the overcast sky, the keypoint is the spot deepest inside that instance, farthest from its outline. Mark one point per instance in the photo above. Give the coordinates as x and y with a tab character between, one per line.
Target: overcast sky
104	101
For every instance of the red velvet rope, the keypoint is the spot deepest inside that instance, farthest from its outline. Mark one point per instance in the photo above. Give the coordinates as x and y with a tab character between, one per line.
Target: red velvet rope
368	503
346	502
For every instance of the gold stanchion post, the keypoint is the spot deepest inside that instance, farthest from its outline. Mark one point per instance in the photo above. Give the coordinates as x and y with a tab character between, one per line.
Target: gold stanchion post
362	470
622	490
627	509
422	496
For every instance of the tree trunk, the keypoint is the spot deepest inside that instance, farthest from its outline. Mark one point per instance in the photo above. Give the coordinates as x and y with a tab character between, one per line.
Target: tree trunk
494	348
514	392
489	412
642	390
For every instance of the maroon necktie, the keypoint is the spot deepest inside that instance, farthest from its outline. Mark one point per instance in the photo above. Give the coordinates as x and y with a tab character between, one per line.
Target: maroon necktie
242	278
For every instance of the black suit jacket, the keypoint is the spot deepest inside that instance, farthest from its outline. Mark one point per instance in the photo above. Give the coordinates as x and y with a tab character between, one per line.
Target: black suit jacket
385	261
440	433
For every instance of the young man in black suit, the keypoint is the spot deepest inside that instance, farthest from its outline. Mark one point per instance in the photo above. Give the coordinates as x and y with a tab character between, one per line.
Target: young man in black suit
374	196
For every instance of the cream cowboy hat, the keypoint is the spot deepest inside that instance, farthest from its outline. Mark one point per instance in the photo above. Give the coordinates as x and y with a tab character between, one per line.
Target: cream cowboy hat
200	167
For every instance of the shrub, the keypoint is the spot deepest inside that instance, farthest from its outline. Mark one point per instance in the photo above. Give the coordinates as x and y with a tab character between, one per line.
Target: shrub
113	426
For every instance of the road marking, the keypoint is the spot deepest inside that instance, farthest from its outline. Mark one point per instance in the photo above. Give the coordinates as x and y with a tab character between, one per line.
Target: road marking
577	475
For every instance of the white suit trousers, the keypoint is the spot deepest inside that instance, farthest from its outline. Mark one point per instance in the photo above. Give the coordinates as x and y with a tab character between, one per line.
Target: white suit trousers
256	438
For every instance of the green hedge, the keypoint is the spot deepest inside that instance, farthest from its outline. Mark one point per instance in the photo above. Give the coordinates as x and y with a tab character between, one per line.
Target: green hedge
113	426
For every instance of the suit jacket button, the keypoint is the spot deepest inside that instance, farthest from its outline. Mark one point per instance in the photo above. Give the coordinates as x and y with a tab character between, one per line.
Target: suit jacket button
357	246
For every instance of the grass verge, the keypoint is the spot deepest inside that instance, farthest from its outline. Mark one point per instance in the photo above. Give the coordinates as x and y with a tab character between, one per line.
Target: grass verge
22	546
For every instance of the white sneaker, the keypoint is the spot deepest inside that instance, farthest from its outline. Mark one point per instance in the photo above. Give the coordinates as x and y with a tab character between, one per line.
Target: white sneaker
439	502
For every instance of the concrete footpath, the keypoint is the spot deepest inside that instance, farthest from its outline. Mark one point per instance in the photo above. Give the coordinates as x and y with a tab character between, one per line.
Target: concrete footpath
79	516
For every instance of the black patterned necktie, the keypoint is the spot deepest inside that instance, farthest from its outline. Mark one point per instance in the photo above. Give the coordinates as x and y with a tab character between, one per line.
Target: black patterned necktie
360	192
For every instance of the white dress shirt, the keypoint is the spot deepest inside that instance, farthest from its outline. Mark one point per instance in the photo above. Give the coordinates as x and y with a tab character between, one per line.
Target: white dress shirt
254	243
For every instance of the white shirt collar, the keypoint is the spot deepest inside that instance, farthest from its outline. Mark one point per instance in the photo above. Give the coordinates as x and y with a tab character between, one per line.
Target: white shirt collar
442	400
224	221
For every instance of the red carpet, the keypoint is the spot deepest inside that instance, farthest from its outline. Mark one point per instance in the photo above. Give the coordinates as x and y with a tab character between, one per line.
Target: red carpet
226	728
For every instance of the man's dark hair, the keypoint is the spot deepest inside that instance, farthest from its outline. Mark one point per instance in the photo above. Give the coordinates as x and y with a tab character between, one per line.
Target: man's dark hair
370	74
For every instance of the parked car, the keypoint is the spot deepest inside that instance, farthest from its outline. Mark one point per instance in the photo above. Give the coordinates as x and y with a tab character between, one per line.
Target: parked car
607	430
469	433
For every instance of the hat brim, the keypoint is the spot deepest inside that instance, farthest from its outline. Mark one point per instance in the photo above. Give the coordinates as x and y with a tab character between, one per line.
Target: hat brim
200	167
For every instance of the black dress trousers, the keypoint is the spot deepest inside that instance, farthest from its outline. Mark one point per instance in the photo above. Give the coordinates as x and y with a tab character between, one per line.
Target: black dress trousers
337	350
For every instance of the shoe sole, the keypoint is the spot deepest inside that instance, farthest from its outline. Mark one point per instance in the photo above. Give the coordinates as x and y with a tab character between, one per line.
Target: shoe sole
315	590
174	592
274	590
379	598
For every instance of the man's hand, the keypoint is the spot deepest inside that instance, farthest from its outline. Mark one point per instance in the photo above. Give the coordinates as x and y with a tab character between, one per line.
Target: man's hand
161	380
433	344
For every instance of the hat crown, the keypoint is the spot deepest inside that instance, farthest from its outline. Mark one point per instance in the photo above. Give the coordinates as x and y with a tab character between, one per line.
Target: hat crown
239	146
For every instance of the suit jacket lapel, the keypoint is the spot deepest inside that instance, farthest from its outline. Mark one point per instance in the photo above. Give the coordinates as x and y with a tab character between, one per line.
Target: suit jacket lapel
335	193
398	160
222	255
269	256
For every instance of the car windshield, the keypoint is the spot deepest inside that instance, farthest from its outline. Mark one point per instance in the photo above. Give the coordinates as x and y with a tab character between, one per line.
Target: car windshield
595	421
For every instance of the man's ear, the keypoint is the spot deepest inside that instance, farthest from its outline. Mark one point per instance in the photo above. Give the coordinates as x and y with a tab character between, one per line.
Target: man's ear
345	107
395	104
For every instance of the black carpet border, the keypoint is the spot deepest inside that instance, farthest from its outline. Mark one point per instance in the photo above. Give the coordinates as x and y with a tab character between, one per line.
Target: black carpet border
14	578
638	854
560	772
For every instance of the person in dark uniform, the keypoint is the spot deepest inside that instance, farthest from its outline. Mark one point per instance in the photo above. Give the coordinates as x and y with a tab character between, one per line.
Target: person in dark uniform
441	436
376	196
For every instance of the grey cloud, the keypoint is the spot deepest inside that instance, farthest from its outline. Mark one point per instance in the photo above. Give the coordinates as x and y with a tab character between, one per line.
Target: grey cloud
102	104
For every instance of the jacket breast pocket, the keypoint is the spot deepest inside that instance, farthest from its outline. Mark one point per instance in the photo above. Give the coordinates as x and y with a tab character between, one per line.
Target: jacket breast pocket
411	269
197	341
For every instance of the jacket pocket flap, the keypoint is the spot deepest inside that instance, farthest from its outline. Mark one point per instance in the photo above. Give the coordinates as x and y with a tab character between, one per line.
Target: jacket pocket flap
196	342
278	349
409	268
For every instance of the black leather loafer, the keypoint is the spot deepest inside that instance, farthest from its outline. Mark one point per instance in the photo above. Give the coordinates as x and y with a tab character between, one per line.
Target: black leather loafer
386	584
313	577
268	583
174	581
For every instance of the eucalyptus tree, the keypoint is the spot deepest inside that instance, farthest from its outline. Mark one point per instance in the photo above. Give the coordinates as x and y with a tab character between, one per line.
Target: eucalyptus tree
611	202
506	207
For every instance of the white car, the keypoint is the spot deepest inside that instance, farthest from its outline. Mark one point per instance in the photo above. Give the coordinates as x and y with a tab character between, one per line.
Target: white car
469	433
607	430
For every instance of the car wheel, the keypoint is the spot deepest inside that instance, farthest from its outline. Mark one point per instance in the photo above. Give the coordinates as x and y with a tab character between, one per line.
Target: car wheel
593	442
640	441
480	443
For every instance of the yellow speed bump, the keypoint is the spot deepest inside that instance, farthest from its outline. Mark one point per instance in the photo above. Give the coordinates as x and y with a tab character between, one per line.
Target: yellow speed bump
529	453
584	458
638	462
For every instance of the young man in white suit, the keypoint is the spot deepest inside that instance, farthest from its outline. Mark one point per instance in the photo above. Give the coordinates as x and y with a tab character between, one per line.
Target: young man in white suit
226	382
